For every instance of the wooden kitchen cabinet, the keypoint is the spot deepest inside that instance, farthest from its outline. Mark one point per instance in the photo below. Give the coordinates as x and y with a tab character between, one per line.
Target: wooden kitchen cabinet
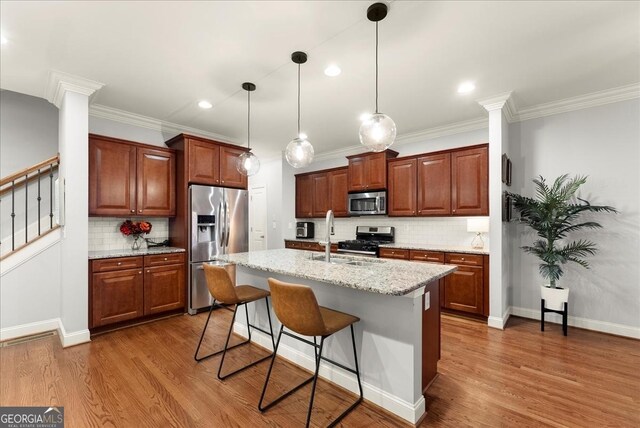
434	185
128	288
320	191
464	288
402	185
208	162
321	194
338	183
470	181
306	245
130	179
368	171
304	196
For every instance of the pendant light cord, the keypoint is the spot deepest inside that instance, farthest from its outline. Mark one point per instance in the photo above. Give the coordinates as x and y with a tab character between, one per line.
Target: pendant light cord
298	100
376	67
248	119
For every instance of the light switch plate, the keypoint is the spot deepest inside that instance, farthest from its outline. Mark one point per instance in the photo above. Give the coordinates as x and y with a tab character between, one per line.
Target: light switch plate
427	300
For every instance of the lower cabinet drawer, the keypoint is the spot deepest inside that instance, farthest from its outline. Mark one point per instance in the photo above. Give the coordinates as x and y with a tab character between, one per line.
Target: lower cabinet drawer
164	259
116	263
394	253
427	256
463	259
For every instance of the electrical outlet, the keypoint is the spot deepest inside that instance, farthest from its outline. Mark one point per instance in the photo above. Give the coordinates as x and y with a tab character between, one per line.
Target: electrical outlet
274	225
427	300
290	225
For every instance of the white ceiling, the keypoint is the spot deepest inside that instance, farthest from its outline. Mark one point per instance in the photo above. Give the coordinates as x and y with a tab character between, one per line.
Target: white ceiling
158	59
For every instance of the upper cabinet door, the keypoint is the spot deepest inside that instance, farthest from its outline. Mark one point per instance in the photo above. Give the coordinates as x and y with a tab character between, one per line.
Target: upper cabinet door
229	175
434	185
357	178
376	171
338	182
204	161
112	178
402	187
304	196
321	194
470	182
156	183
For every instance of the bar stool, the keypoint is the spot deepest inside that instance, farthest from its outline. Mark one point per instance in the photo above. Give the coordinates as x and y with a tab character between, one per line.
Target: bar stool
223	291
297	309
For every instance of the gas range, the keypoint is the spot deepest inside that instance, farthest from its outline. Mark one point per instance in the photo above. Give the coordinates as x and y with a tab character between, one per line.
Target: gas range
368	240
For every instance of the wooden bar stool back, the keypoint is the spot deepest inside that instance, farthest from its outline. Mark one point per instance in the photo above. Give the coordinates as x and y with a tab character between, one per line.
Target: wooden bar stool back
297	309
224	292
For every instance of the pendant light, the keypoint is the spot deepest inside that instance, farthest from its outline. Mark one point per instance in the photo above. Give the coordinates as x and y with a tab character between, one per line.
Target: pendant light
248	163
299	151
378	131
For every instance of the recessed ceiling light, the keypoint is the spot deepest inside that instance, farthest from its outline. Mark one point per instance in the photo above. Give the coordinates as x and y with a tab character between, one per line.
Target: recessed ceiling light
3	40
204	104
466	87
365	116
332	70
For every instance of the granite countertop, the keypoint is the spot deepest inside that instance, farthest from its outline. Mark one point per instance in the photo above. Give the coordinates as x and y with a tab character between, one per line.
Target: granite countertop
106	254
437	247
384	276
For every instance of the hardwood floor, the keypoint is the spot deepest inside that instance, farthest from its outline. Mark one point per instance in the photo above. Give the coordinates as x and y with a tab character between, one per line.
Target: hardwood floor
145	376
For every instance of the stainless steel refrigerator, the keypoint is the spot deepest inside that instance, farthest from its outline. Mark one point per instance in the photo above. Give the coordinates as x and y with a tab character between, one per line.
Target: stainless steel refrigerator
219	224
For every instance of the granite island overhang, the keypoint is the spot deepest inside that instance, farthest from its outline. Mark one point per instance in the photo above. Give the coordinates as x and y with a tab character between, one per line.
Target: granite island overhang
393	300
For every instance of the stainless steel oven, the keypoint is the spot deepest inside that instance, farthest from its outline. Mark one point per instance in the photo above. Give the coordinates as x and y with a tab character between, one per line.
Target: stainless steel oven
367	203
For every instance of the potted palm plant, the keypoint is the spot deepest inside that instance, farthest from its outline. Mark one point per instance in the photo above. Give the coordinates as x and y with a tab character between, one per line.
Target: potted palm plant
554	214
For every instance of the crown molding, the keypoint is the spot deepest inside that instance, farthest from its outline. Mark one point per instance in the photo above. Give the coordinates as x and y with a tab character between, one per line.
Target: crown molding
594	99
147	122
502	101
413	137
58	83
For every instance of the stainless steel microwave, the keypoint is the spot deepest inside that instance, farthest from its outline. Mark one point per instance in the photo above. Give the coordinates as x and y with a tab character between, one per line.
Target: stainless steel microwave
368	203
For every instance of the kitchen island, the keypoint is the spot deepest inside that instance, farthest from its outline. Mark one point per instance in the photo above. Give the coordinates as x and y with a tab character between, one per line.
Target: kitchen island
398	334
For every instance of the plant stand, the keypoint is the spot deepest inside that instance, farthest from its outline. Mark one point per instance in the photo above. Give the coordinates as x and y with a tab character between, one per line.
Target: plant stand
564	312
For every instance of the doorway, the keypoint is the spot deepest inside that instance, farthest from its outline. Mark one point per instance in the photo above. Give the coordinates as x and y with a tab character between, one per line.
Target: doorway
258	218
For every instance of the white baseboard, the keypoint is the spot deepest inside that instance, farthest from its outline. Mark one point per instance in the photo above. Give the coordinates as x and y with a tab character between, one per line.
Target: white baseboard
29	329
499	322
411	412
74	338
588	324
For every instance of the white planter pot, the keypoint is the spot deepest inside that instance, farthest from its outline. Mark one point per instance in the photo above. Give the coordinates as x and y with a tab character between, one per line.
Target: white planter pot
554	297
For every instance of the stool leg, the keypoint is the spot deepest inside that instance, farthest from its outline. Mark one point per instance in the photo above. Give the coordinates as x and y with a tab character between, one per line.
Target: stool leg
195	356
246	311
273	339
355	359
315	381
541	314
226	343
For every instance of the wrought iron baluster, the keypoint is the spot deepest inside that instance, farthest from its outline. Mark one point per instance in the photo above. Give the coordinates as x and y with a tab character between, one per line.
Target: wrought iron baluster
39	199
13	215
26	208
50	196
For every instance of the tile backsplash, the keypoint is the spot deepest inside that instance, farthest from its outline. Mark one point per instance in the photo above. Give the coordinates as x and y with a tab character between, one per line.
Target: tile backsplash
104	233
411	230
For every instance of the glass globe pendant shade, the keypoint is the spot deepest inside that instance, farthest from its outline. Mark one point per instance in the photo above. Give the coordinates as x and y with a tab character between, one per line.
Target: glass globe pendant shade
299	152
377	132
248	164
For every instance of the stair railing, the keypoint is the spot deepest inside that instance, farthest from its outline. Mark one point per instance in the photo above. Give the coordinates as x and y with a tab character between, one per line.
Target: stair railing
42	172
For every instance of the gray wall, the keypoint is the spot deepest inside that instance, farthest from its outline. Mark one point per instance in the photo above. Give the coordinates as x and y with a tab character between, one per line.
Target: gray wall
28	131
603	143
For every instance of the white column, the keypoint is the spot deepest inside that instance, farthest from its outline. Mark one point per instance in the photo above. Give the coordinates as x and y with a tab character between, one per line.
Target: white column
500	109
71	95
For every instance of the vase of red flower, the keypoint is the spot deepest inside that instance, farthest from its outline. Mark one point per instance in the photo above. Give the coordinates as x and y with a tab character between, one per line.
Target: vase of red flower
135	229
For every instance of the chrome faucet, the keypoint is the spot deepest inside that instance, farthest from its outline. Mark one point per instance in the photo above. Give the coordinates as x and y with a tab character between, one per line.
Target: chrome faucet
327	248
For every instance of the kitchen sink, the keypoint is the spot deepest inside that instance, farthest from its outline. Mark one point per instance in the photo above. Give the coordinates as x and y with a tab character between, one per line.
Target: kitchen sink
337	260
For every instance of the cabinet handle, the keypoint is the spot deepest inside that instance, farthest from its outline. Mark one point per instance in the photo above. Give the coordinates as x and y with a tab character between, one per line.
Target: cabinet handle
119	263
148	271
165	259
223	181
462	259
140	273
133	211
139	211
